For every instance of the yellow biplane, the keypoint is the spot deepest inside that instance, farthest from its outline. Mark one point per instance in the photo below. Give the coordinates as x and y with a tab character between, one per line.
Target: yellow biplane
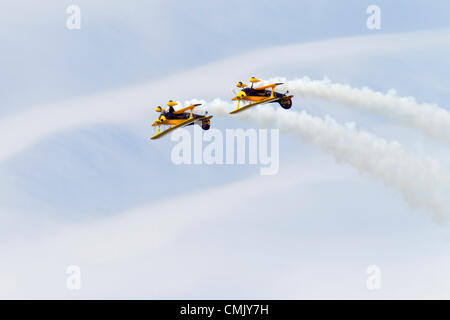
260	95
180	118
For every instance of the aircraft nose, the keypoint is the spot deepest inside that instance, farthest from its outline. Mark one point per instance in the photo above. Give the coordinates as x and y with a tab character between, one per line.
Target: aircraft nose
241	95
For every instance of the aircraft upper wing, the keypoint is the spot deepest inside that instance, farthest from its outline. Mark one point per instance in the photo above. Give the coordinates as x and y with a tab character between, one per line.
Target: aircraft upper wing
273	85
192	106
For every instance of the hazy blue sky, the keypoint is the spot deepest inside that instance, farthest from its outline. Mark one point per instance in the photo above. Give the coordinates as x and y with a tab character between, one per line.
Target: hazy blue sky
100	195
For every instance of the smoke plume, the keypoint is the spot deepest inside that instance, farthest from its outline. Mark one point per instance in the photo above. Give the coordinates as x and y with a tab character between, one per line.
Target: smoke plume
421	181
429	119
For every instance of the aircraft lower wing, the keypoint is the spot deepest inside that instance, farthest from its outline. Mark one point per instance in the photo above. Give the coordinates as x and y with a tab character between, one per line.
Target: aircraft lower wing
256	103
184	123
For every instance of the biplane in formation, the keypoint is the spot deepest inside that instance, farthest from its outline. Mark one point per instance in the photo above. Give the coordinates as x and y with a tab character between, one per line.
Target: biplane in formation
179	118
259	95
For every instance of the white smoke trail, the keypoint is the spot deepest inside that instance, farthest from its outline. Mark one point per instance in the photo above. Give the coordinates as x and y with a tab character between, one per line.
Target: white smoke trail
421	181
430	119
